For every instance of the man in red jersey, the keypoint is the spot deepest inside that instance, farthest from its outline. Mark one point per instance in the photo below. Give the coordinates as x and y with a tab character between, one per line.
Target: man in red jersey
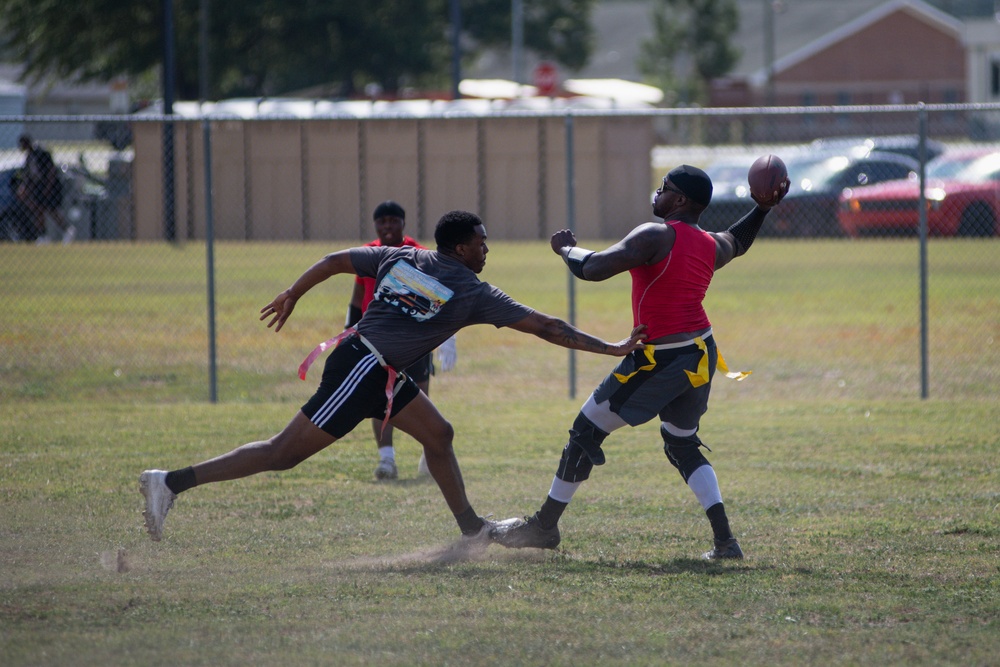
672	264
390	220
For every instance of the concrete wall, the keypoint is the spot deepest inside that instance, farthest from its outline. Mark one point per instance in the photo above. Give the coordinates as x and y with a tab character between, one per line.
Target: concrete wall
320	179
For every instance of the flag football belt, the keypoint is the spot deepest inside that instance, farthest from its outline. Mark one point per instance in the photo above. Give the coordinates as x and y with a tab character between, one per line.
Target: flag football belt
699	377
683	343
390	384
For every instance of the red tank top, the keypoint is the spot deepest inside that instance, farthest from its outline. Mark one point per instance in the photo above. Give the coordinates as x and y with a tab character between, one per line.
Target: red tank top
667	296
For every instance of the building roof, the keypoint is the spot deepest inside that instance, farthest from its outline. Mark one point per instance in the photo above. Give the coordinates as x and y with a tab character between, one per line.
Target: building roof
921	10
797	24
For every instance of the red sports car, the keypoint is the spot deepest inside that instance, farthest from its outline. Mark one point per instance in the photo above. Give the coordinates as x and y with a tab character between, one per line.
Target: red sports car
962	193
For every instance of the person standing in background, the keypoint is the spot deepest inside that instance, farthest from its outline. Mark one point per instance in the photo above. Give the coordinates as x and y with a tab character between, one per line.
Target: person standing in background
40	190
390	220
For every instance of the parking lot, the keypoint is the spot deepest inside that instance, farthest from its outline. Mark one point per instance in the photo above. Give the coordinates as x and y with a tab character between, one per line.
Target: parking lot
857	187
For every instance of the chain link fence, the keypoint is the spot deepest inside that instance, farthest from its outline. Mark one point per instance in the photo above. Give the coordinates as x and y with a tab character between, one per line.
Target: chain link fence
113	289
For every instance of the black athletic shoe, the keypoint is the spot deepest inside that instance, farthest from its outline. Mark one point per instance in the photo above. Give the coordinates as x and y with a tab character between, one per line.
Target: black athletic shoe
483	536
527	532
725	549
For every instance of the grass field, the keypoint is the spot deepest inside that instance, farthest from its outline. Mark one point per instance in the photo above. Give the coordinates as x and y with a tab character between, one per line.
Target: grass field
827	319
870	518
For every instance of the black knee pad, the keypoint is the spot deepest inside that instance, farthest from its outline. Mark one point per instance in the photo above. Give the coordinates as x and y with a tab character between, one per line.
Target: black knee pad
585	435
575	465
684	452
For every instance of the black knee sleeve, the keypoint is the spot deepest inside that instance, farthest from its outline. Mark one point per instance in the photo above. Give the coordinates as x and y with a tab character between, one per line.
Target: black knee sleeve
588	437
684	452
575	465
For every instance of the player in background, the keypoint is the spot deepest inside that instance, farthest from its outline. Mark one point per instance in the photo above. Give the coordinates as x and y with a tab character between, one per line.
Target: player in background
360	378
41	190
390	220
671	264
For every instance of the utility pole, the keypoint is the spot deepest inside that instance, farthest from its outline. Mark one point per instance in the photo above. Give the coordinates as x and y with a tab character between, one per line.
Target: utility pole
517	40
769	11
456	49
169	84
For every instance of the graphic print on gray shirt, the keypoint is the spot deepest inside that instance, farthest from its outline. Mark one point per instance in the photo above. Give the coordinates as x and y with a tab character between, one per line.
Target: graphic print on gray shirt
416	314
413	292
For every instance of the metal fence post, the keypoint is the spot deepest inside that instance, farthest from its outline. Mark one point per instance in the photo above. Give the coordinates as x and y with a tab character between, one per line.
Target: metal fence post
362	180
571	224
304	163
169	83
213	383
922	223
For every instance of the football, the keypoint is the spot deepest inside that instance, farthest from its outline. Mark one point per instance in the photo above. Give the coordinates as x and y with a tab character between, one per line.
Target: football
765	177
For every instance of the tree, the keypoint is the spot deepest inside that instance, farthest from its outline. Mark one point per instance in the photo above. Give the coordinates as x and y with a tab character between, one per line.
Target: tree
258	47
272	47
690	46
556	29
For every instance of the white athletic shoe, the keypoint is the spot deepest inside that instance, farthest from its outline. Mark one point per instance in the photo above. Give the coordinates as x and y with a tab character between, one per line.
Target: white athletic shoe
159	500
386	469
422	469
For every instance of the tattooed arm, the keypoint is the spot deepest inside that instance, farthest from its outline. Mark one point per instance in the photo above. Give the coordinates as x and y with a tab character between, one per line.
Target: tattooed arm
558	332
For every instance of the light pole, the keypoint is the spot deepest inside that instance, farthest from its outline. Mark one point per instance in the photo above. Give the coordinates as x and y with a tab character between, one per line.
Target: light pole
456	48
769	10
169	83
517	39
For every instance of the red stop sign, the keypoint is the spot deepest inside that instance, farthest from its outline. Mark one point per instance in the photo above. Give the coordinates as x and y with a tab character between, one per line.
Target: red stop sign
546	78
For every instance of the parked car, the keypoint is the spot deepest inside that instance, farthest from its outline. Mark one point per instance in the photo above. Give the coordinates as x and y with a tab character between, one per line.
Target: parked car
810	208
15	219
904	144
817	180
962	195
730	191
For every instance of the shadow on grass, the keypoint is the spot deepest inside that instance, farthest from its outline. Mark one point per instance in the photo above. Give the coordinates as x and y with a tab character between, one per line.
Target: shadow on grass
666	567
433	559
466	550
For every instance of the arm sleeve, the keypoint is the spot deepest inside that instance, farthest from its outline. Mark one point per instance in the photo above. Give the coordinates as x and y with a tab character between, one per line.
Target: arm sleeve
745	230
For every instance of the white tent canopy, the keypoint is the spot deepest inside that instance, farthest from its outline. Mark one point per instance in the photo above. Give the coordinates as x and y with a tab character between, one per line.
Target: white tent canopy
495	89
481	97
619	90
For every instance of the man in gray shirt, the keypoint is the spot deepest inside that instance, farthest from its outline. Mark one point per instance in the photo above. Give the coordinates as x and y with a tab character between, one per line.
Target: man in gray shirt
422	298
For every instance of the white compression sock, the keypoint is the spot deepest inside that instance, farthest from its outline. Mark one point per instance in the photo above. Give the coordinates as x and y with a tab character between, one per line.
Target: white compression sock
705	485
563	491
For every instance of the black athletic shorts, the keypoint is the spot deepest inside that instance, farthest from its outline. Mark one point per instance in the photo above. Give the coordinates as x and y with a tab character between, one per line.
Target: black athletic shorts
353	389
650	383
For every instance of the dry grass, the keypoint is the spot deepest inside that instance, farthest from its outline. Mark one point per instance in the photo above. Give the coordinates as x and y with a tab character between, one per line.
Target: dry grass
869	517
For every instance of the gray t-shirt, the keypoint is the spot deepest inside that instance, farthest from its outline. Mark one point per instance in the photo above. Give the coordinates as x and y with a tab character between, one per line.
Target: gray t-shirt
422	298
